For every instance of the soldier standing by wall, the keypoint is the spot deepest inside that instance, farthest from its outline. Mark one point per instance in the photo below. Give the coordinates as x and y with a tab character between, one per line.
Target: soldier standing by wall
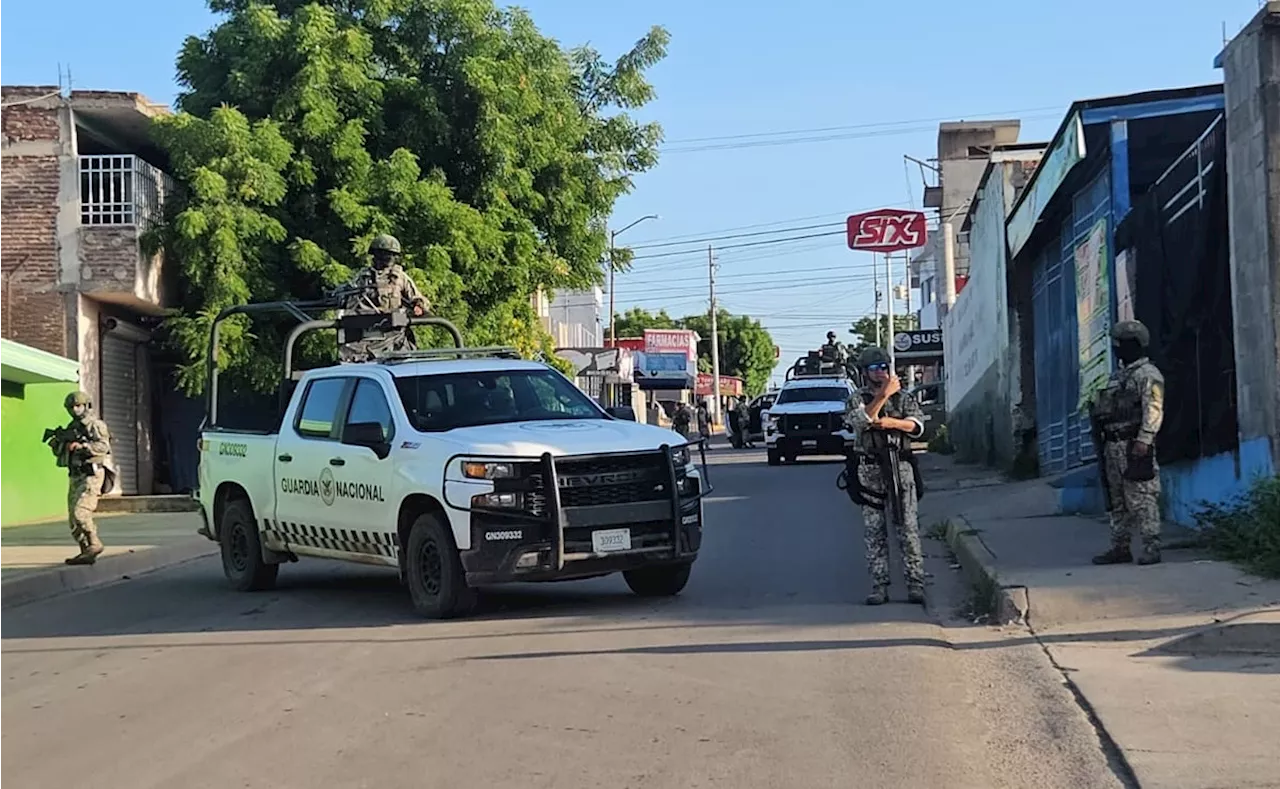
1130	411
886	419
84	447
383	286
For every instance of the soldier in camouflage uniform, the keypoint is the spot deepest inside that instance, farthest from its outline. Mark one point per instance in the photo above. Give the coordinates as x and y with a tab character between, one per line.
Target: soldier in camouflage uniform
91	473
881	405
1130	411
743	412
383	286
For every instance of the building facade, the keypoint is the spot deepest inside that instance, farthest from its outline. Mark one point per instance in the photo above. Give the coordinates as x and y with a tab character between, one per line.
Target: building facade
82	183
981	343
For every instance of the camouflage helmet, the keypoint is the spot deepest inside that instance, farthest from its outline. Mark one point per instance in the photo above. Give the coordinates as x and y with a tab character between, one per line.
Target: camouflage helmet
77	398
1131	330
385	243
872	355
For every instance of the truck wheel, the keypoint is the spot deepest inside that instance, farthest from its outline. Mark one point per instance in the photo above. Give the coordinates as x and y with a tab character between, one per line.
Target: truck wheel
664	581
242	549
437	582
774	457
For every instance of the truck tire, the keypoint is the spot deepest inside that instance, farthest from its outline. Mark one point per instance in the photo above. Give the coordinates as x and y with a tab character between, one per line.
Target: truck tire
663	581
437	583
242	549
774	457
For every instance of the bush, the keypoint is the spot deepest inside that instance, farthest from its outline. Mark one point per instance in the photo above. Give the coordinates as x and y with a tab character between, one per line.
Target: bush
1247	530
941	442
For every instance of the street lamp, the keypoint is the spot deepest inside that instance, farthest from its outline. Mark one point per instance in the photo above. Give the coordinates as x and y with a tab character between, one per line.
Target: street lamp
613	338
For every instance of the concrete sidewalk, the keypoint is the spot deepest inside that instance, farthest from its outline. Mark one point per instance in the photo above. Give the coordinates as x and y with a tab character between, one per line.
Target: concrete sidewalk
31	556
1177	662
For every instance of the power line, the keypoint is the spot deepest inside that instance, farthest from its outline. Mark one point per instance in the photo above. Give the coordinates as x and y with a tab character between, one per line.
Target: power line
739	235
703	236
745	244
855	126
771	143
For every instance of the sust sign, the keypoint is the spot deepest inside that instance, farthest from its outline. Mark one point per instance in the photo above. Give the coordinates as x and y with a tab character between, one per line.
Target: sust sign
886	230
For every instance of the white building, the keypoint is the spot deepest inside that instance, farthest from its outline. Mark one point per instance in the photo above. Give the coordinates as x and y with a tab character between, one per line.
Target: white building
572	317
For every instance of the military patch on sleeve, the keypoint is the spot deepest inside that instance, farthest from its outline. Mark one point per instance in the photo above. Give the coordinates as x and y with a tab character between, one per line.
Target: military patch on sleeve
1157	393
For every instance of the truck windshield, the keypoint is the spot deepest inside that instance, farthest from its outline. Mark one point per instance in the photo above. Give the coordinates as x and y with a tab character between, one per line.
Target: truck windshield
445	402
813	394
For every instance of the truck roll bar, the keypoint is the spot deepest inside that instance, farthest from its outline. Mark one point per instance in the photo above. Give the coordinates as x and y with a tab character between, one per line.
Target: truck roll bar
302	312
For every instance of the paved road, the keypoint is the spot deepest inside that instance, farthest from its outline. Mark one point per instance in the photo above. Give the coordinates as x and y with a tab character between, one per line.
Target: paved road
767	672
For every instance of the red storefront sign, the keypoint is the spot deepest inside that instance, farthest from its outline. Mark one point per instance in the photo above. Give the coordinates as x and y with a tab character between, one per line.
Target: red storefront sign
730	386
886	230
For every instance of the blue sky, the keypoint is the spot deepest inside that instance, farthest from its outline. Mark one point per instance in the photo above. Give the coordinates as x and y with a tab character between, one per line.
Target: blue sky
731	72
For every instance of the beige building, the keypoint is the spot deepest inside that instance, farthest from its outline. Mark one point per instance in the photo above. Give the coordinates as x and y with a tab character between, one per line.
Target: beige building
82	183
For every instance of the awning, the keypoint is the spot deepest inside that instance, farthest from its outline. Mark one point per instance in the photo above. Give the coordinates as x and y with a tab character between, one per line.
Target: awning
26	365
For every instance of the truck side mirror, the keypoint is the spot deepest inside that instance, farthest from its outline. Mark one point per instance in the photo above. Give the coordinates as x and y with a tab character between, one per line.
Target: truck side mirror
367	434
624	412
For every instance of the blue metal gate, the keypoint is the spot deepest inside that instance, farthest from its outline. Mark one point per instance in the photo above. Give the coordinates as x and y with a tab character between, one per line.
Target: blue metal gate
1062	431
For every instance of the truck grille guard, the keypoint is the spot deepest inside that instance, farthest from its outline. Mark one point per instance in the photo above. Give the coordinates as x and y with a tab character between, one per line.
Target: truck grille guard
551	509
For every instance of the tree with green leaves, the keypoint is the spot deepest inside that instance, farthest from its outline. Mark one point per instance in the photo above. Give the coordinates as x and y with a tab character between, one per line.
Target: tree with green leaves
634	321
307	127
864	329
746	347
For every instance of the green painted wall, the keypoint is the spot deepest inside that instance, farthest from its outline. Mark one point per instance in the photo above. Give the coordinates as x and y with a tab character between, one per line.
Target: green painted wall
32	487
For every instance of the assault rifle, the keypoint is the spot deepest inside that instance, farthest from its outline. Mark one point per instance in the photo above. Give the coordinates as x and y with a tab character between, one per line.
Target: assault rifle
1095	430
885	451
58	438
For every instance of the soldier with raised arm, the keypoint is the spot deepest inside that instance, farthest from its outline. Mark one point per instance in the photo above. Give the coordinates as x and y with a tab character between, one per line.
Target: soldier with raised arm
881	474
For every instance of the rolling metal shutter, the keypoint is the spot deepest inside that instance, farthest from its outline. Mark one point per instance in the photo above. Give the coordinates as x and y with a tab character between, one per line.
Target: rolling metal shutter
120	406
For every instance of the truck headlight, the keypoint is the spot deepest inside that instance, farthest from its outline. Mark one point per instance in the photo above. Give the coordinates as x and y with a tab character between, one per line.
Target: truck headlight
498	501
475	470
771	423
680	457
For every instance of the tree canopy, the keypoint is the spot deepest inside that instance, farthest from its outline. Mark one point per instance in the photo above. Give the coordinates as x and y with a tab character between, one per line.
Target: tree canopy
864	329
306	128
746	347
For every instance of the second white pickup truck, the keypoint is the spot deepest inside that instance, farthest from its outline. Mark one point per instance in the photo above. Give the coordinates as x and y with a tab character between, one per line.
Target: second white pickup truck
460	468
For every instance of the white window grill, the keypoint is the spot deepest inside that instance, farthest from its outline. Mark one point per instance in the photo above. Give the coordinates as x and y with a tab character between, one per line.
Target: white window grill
121	189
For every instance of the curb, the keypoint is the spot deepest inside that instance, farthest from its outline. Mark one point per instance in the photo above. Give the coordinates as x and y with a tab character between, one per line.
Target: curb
1009	603
166	503
58	581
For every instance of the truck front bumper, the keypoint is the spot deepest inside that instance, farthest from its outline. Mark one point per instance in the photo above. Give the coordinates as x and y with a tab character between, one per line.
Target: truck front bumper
561	543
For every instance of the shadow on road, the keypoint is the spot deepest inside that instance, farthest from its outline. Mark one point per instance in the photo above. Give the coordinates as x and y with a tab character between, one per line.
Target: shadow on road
782	545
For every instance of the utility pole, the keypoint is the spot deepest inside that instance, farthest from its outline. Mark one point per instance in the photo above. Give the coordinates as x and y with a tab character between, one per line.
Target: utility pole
613	234
911	368
715	338
888	278
613	337
875	280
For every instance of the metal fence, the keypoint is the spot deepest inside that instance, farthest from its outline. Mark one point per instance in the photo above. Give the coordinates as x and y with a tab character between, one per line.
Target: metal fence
121	189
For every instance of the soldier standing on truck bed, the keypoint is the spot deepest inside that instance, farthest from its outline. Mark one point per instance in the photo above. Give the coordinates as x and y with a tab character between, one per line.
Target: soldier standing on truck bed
383	286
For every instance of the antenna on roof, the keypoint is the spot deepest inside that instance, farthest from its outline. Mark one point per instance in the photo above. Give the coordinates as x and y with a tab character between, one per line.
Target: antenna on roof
64	80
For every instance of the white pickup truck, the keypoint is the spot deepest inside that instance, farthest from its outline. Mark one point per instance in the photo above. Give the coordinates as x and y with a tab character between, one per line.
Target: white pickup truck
459	468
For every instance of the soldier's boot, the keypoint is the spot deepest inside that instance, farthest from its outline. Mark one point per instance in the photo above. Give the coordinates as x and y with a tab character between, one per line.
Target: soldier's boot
915	594
1150	553
879	596
1118	554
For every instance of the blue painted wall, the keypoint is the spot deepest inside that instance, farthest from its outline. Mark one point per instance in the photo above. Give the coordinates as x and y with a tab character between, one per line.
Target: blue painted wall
1184	486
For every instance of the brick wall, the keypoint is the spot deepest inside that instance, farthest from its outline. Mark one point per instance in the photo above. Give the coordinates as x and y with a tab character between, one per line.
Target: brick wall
34	309
108	259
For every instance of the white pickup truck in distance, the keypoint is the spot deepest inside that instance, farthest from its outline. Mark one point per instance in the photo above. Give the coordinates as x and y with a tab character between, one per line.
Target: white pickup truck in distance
460	468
